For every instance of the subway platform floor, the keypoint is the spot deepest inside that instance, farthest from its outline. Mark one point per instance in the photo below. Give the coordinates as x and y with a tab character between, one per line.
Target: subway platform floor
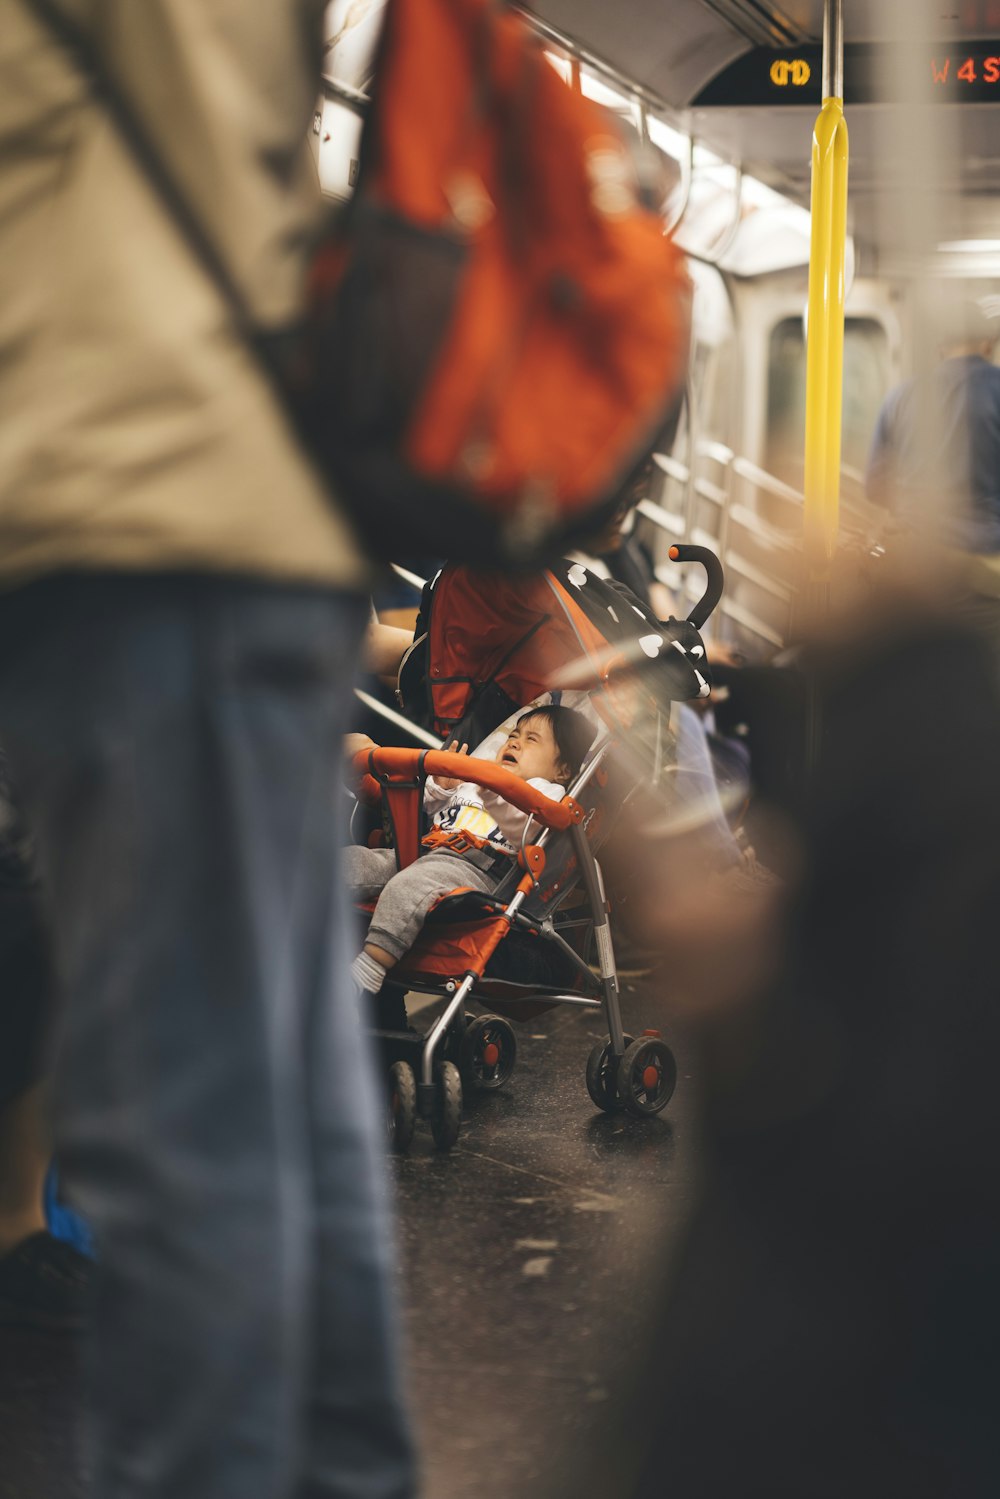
529	1258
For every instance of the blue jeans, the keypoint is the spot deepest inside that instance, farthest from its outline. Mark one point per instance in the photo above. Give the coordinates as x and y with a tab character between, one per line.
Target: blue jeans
696	789
175	739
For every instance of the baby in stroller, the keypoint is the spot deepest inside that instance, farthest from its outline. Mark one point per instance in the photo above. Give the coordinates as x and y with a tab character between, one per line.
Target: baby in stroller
472	843
517	933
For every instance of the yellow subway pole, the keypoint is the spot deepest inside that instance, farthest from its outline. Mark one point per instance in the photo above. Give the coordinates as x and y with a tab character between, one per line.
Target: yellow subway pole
825	333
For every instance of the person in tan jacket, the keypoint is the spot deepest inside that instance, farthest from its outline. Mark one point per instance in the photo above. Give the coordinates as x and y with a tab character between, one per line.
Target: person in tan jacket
180	613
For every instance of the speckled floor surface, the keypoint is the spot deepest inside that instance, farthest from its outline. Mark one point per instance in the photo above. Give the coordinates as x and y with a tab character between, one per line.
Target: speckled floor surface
39	1398
527	1257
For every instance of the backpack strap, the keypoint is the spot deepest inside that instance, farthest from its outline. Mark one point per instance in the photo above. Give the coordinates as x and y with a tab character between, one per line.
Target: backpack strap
273	349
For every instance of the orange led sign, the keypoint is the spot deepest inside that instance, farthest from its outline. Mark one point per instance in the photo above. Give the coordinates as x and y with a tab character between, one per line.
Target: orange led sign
794	72
959	72
966	70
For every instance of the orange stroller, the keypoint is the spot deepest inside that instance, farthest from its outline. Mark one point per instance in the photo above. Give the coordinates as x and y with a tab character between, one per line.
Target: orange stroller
542	937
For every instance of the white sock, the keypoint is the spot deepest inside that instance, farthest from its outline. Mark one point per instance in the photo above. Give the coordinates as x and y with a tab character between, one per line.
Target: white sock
368	974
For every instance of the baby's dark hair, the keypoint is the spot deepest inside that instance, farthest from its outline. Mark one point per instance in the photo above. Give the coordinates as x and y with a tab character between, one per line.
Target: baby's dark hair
571	731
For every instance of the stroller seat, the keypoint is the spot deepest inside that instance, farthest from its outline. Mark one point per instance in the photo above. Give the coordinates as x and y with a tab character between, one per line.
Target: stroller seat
522	968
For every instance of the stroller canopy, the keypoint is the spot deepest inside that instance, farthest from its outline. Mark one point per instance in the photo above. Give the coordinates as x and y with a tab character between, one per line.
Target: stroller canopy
489	644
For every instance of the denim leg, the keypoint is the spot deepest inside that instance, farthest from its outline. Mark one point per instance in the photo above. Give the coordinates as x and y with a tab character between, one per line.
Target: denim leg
176	743
350	1418
696	789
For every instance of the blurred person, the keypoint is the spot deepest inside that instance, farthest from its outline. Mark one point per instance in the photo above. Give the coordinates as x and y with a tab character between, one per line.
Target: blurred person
935	461
748	723
712	778
831	1323
384	648
952	462
181	618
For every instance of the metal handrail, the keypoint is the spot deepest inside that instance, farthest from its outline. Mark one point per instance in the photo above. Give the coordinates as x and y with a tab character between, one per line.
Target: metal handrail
354	98
750	621
414	579
397	719
833	49
661	517
647	98
672	467
825	340
767	535
744	469
737	563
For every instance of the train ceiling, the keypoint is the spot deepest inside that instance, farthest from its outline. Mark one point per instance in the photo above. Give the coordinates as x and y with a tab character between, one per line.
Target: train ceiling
675	48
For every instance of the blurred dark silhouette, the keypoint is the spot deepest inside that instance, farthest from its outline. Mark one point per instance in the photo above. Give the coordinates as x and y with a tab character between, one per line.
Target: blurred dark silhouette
832	1322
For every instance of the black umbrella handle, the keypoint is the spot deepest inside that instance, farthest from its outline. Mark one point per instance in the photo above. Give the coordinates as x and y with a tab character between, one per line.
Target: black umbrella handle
715	578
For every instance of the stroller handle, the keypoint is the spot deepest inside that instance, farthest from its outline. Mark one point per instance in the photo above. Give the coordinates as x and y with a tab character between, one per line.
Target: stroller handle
391	761
713	584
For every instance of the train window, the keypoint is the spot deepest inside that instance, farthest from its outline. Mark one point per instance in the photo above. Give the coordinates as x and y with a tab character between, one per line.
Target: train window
339	148
690	474
867	376
773	233
625	106
352	30
674	149
714	381
714	351
668	140
713	206
562	65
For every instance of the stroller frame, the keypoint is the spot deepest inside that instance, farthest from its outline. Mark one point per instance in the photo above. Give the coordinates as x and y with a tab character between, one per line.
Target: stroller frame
638	1076
593	881
650	1075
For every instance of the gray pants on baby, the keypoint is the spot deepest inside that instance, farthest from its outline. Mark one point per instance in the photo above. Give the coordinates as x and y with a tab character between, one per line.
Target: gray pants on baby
406	895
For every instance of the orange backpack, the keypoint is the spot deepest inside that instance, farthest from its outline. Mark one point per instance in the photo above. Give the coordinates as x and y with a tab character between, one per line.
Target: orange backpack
499	328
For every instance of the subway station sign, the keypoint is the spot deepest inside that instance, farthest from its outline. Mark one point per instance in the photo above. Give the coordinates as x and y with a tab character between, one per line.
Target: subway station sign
955	72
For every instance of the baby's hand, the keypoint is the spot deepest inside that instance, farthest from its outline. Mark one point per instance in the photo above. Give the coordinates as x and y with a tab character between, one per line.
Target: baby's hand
448	783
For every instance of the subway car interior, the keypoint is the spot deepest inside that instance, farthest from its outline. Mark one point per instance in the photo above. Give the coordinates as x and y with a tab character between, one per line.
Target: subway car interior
643	1292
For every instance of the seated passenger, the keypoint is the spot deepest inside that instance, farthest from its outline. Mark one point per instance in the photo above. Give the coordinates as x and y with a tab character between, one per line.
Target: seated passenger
473	840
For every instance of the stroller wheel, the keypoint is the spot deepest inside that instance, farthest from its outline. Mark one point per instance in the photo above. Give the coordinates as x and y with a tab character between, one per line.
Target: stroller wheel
446	1117
401	1112
600	1083
647	1077
489	1052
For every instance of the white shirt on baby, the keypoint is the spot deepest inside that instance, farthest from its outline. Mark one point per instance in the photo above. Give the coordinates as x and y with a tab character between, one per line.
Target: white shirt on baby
482	813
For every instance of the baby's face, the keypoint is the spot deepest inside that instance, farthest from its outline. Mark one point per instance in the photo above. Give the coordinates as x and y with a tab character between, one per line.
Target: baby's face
530	751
